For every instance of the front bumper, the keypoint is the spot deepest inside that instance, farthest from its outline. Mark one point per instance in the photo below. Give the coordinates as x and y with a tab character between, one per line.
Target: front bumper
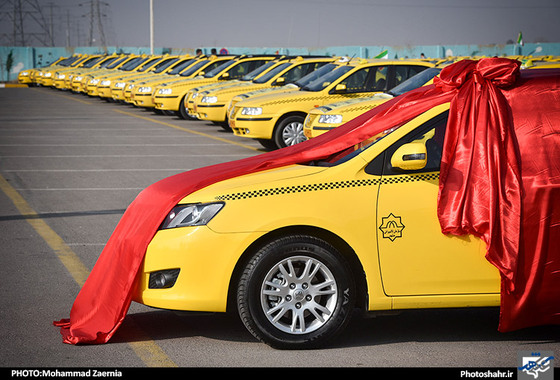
255	127
211	112
167	102
204	268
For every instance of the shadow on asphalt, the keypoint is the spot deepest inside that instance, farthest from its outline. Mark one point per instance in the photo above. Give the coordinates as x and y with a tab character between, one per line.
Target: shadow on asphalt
432	325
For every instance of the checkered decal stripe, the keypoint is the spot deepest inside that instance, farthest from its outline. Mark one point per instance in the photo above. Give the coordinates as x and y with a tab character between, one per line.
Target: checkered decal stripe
327	186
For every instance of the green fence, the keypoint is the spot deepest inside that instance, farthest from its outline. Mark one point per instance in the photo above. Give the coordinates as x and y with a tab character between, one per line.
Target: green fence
15	59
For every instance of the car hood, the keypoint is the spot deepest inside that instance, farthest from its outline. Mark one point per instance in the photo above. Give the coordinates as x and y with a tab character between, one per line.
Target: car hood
250	182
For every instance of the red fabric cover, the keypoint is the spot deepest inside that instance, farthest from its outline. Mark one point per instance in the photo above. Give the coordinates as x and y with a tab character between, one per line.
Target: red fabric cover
103	301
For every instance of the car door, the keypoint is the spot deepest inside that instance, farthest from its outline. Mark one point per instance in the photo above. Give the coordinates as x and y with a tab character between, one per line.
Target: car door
415	257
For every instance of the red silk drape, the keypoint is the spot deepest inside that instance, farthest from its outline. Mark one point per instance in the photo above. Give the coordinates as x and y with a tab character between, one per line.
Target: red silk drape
103	301
480	185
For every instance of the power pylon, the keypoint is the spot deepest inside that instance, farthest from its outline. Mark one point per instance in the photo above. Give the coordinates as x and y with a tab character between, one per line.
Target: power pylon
30	26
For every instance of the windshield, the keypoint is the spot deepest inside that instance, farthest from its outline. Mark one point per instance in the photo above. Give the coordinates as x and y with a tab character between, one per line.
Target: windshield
315	74
116	63
148	65
272	73
324	81
180	66
194	68
348	153
415	81
164	65
132	64
92	62
107	62
258	71
219	69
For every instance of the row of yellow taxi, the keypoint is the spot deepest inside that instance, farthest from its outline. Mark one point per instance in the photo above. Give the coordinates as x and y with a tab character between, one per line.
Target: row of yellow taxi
274	99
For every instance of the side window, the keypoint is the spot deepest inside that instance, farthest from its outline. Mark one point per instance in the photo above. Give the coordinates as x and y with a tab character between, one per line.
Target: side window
357	81
404	72
243	68
379	78
300	71
431	134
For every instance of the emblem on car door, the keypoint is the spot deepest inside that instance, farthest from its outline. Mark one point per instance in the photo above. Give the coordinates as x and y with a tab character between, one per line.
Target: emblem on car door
391	227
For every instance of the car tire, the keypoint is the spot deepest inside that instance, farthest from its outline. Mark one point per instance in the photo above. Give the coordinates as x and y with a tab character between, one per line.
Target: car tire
268	144
183	112
296	292
289	131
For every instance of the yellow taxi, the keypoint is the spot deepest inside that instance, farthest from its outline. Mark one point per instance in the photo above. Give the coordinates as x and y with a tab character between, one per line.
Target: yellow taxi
322	119
171	97
118	85
211	104
103	88
86	78
295	249
47	75
60	76
75	81
68	82
28	76
276	120
172	68
191	95
38	74
141	93
288	87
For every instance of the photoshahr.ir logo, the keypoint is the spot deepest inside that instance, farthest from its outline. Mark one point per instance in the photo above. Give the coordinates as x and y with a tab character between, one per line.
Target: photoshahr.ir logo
535	365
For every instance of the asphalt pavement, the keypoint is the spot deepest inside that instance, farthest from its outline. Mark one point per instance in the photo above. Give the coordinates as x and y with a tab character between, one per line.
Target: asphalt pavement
69	167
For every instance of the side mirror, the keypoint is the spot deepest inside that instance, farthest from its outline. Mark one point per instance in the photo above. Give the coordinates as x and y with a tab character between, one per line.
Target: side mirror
280	81
340	88
411	156
225	76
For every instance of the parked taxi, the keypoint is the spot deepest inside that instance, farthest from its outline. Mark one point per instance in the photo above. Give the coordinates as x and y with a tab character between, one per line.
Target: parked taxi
28	76
276	121
211	103
335	235
171	97
141	93
47	75
87	78
118	85
322	119
171	69
288	87
103	89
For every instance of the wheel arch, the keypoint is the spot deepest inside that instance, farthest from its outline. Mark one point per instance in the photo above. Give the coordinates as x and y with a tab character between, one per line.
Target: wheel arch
336	241
286	115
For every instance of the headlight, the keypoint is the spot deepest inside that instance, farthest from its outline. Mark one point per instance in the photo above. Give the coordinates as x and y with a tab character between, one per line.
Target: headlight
164	91
105	82
60	76
24	73
94	81
330	119
79	77
209	99
191	215
145	89
120	84
48	75
253	111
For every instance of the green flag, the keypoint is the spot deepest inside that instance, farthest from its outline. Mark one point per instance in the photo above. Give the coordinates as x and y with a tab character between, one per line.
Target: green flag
384	54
